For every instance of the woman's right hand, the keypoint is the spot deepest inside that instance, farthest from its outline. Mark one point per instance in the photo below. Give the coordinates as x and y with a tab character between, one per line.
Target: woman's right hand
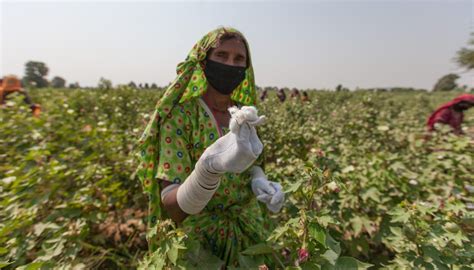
238	149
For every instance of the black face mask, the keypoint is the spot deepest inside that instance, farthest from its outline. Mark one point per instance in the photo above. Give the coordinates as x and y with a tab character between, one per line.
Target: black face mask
223	78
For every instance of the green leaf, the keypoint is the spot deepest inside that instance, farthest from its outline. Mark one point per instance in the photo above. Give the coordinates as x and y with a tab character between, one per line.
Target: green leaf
330	256
327	266
333	244
310	266
4	263
356	223
202	259
293	187
431	252
278	232
212	262
258	249
173	254
347	263
152	232
193	250
400	215
40	227
32	266
326	220
397	231
158	261
248	262
3	250
59	248
456	207
458	238
441	266
449	259
372	193
318	233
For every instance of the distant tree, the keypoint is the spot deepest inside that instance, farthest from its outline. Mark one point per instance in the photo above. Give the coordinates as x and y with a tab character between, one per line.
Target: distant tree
58	82
268	88
339	88
104	83
140	86
446	83
147	86
132	85
154	86
402	89
74	85
465	56
35	73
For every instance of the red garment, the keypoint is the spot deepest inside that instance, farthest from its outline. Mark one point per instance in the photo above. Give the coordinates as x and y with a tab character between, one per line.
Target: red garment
447	115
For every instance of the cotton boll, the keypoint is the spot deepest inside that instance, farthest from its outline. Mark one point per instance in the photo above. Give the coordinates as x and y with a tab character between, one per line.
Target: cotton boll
247	114
413	182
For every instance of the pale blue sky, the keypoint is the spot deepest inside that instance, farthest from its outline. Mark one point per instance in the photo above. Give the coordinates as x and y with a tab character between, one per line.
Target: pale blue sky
306	44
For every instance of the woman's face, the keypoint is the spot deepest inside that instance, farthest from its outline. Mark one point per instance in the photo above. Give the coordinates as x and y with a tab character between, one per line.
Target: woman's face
463	105
231	52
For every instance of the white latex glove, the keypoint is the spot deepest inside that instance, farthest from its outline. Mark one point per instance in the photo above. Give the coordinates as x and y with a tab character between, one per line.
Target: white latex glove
238	149
266	191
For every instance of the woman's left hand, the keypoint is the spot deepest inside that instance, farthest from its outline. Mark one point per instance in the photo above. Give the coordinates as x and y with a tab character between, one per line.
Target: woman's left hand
269	193
266	191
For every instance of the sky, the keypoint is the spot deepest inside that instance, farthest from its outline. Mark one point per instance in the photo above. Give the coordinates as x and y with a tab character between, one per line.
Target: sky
303	44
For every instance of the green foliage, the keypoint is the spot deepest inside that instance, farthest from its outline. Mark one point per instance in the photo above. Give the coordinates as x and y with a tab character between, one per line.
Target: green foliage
465	56
104	84
132	85
74	85
340	88
58	82
365	188
35	74
66	180
446	83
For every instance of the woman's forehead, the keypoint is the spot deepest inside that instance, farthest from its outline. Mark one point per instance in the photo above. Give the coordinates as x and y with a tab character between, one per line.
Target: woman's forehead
232	45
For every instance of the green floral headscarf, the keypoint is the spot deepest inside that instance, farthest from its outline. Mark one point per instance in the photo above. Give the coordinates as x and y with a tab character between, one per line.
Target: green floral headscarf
190	83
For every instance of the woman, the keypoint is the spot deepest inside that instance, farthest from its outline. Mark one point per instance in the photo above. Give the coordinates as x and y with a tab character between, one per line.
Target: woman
451	113
12	85
305	97
213	197
295	93
263	95
281	95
